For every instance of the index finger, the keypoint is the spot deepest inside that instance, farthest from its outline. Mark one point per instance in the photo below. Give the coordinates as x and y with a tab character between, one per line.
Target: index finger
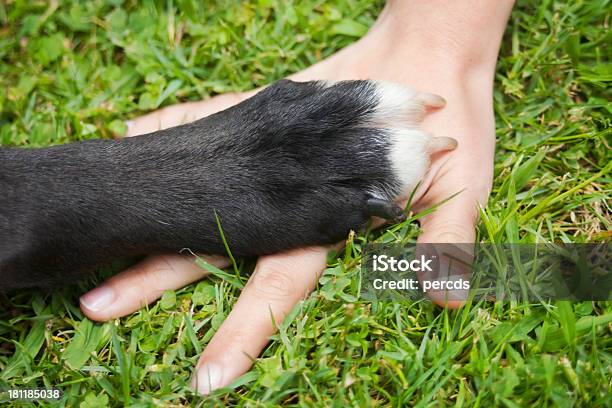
279	282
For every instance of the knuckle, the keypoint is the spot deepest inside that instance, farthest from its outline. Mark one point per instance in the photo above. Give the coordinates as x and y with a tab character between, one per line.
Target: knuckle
273	281
235	338
453	231
152	274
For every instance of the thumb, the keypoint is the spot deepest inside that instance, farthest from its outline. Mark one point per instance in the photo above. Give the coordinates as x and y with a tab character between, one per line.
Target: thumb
449	233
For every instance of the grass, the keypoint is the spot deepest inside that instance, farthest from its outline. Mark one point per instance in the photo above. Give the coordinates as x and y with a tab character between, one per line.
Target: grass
75	70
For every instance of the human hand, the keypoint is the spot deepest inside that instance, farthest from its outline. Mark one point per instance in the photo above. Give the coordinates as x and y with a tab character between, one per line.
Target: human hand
459	70
272	291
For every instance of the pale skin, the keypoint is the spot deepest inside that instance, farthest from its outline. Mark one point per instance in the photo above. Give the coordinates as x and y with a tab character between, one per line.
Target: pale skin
445	47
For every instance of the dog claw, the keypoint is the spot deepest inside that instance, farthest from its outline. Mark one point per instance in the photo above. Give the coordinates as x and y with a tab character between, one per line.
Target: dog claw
440	144
384	209
432	100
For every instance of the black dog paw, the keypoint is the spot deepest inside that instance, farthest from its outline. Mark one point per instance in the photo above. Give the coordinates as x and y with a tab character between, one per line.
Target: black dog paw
319	159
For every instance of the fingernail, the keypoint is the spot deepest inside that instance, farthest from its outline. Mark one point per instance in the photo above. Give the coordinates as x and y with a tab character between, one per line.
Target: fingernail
208	378
130	126
99	298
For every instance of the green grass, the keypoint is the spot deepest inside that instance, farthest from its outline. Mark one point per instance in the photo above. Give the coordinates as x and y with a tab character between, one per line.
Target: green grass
75	70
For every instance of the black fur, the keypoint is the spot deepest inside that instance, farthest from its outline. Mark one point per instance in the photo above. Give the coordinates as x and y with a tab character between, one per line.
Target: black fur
294	165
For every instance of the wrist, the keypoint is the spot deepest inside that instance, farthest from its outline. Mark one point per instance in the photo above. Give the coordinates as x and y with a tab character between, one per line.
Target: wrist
462	36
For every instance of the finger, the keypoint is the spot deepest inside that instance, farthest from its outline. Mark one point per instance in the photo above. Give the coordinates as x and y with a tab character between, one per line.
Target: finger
279	282
452	225
183	113
142	284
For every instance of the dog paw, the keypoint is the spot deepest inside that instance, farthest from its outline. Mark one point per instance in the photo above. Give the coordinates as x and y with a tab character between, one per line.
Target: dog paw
324	157
366	132
397	116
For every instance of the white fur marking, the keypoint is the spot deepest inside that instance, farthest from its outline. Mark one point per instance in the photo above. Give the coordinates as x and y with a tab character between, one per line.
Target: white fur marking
398	104
409	156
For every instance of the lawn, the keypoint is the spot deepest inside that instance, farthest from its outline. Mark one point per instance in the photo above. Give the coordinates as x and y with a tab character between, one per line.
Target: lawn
76	70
